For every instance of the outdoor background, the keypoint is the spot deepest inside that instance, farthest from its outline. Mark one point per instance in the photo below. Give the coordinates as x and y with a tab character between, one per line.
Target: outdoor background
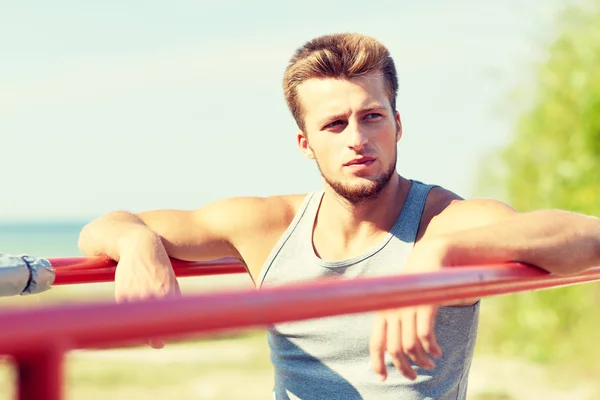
142	105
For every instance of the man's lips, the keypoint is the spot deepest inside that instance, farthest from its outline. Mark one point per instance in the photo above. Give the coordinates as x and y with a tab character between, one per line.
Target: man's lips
360	161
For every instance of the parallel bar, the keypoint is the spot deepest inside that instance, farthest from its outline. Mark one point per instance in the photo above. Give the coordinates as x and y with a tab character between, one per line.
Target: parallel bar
102	269
107	324
40	375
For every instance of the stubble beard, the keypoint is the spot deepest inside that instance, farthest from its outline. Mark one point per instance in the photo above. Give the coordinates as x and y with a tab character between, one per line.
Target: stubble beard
358	193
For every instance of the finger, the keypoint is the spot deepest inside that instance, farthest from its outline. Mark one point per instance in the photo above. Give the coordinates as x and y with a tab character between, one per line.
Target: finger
125	297
411	343
394	347
121	296
426	330
156	343
377	347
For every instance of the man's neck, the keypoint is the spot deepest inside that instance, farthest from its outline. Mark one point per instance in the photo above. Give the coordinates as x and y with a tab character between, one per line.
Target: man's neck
353	221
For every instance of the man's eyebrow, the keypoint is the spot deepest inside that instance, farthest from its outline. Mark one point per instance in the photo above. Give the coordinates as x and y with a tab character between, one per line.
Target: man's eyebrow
372	107
334	117
331	118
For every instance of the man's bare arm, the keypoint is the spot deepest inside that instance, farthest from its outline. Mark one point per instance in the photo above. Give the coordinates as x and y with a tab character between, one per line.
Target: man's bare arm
480	232
242	227
245	228
558	241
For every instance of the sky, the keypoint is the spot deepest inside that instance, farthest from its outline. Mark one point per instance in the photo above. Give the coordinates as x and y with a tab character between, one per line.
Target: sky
143	105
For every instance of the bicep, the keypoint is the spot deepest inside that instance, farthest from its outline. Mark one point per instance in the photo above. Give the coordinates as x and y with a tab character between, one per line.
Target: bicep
189	235
219	229
462	215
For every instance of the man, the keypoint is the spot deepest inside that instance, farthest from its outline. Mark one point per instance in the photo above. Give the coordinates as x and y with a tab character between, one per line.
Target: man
367	221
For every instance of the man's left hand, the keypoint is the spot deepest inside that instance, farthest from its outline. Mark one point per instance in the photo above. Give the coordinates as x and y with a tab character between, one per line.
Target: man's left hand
408	334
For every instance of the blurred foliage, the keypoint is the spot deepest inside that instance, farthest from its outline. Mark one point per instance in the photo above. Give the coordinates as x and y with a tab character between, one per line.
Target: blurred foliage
553	161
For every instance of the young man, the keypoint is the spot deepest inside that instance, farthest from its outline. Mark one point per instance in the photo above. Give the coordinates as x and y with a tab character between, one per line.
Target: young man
367	221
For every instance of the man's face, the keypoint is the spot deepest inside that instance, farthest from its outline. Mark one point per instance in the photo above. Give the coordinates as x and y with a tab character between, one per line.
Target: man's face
351	131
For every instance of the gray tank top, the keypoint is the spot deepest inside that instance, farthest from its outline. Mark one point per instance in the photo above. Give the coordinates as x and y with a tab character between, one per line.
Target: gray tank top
328	358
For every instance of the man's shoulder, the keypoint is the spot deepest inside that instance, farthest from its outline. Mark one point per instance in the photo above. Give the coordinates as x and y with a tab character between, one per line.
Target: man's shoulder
266	213
255	224
288	203
273	211
446	211
438	201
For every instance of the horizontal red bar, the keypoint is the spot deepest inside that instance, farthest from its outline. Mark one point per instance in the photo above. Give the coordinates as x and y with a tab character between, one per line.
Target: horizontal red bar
107	324
102	269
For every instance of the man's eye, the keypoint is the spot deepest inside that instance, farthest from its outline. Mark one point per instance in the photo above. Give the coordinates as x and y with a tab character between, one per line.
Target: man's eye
332	124
373	116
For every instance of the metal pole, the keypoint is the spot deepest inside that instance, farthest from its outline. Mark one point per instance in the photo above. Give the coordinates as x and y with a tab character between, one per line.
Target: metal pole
40	375
106	324
74	270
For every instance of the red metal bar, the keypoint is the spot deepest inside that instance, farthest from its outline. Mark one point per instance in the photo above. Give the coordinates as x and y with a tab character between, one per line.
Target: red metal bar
40	375
102	269
107	324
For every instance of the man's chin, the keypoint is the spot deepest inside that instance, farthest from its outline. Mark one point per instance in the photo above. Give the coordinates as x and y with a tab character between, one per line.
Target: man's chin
357	189
356	193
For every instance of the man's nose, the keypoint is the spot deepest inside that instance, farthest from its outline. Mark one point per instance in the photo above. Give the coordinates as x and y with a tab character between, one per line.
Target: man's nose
356	137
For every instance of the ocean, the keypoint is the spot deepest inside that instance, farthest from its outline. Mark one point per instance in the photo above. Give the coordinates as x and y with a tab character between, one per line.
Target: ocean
59	239
47	239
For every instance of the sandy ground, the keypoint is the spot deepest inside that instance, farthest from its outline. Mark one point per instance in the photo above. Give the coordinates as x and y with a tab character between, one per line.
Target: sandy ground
492	378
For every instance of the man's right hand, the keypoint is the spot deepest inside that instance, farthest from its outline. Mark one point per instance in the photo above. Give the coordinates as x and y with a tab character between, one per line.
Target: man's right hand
144	271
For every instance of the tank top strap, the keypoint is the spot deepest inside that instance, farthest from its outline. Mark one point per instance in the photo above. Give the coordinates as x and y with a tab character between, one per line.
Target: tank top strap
307	210
407	225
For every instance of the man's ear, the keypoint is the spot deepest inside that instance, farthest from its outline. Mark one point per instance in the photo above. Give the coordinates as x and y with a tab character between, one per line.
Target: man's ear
398	127
303	145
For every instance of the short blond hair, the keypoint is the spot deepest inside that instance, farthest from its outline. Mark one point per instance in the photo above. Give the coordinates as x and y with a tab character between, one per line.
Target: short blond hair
340	56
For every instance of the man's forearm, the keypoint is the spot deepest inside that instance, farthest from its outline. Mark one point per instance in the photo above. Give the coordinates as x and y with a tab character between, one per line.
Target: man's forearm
111	233
557	241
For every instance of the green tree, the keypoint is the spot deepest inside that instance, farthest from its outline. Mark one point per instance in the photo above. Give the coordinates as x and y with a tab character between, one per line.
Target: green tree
553	161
